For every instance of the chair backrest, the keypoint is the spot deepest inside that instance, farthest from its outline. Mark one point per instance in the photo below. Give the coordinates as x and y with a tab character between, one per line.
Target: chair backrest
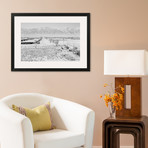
29	100
32	100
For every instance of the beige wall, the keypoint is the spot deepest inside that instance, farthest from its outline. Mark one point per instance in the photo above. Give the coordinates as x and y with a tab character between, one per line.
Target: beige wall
115	24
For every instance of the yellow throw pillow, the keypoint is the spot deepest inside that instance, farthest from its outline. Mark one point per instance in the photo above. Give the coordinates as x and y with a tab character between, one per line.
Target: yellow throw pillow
40	116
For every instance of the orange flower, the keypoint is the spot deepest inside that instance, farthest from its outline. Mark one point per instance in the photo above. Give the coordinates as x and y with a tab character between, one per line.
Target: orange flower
121	97
116	98
122	89
106	104
105	84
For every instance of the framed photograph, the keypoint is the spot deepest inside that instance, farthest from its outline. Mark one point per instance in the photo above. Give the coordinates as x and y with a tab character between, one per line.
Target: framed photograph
50	42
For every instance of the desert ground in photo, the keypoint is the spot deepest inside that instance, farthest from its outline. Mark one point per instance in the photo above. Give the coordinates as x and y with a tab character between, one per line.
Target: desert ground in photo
46	43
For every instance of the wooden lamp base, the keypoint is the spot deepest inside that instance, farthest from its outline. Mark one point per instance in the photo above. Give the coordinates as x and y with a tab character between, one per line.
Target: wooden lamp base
135	110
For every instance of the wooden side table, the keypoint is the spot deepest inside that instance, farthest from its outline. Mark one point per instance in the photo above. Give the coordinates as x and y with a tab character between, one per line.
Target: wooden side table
138	127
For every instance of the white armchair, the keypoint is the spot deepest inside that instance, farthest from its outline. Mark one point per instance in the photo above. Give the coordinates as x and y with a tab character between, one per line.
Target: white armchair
74	123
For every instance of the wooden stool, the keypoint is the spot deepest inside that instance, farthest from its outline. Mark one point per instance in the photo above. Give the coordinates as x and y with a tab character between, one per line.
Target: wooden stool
112	128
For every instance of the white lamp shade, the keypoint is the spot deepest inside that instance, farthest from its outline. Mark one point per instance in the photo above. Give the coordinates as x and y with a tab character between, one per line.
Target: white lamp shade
125	62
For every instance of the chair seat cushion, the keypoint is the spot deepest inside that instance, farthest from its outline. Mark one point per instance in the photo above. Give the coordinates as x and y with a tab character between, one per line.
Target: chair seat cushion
58	138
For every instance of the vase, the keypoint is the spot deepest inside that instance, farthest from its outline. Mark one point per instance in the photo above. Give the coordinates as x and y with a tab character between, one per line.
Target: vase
112	110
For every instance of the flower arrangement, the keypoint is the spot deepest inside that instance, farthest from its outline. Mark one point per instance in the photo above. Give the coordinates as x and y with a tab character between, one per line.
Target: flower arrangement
115	96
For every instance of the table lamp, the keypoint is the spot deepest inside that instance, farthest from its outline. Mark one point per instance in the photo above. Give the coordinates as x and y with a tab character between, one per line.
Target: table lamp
125	65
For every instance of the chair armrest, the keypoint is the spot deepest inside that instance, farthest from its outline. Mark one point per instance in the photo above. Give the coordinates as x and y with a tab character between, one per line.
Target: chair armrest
74	117
15	129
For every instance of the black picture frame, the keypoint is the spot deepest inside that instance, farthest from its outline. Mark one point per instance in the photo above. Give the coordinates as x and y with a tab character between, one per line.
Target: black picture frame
16	42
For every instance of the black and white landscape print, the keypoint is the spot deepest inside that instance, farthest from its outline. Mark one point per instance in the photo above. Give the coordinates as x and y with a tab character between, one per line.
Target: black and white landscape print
50	42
